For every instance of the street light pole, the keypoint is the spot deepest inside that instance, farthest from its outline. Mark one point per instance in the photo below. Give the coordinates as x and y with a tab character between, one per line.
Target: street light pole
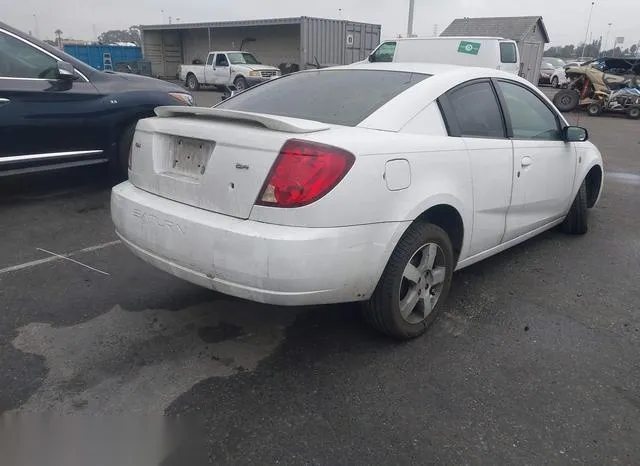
606	41
37	33
586	35
412	4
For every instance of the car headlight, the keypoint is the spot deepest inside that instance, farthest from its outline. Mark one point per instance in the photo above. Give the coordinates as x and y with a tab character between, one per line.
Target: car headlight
254	74
183	98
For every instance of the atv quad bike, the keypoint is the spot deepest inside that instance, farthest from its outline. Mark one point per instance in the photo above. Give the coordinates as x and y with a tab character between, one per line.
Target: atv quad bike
600	92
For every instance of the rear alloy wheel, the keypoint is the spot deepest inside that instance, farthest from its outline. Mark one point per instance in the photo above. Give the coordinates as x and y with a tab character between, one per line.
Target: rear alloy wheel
555	82
634	113
414	284
566	100
192	83
594	109
576	221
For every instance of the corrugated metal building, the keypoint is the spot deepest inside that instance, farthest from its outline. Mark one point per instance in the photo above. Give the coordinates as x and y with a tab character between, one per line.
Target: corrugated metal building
528	31
273	41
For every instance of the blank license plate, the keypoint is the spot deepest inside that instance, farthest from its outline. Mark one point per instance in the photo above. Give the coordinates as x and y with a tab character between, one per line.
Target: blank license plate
191	156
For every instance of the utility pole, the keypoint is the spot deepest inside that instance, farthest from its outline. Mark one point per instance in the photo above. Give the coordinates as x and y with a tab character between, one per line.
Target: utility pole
35	20
606	41
586	35
412	4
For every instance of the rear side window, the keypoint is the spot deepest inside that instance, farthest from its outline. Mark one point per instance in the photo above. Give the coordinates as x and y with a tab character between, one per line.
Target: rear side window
340	97
210	59
508	52
476	110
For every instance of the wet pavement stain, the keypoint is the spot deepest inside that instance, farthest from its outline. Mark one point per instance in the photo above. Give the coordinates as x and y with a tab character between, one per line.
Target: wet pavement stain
139	362
221	332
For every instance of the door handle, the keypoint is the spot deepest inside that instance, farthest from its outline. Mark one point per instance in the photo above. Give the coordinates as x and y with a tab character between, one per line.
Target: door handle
526	161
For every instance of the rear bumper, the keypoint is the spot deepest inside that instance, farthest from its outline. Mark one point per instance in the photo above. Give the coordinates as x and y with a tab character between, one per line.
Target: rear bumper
257	261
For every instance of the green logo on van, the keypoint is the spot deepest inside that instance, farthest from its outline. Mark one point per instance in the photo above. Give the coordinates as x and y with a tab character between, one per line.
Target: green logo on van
472	48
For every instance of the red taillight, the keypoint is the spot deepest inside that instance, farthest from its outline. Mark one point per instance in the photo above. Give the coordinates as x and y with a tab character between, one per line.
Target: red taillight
303	173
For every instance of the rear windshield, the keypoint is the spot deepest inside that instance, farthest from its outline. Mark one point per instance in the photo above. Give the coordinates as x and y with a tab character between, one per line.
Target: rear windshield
339	97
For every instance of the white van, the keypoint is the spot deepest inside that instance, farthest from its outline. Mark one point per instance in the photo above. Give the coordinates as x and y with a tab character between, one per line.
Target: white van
486	52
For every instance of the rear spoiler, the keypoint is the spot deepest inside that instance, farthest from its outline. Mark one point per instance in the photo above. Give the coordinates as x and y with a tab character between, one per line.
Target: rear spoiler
274	122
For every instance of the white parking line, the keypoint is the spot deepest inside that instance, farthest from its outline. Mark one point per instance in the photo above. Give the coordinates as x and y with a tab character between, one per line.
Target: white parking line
55	257
72	260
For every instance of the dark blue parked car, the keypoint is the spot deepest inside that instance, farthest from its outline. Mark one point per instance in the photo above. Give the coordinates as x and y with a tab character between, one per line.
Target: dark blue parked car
57	112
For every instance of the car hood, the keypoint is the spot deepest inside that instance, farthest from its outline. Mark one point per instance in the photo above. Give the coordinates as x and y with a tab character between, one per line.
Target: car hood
260	67
122	82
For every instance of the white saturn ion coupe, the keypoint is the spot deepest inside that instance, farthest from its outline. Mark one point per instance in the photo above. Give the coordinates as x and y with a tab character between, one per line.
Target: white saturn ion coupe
370	182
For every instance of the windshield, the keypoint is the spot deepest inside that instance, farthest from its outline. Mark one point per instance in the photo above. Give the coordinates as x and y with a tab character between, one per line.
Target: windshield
384	53
341	97
242	58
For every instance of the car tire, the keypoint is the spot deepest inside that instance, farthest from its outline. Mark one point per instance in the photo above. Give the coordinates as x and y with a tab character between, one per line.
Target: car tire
404	308
594	109
634	113
555	83
240	83
576	221
566	100
192	82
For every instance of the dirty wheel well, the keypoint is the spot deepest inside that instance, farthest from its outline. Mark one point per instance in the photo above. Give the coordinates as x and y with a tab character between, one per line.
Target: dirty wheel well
447	218
593	182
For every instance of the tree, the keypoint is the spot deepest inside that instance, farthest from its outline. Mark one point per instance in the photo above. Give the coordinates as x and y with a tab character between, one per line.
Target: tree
123	35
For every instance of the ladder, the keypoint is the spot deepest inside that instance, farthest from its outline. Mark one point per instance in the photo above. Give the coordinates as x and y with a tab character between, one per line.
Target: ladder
107	64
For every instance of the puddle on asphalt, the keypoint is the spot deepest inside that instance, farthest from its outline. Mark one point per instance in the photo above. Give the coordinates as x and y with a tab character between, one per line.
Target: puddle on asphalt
140	362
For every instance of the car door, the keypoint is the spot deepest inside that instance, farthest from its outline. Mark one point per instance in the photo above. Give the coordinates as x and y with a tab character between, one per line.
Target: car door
544	164
473	113
209	75
221	70
41	116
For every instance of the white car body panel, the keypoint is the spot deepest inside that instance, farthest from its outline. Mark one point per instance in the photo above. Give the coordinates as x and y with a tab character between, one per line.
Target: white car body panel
209	230
253	260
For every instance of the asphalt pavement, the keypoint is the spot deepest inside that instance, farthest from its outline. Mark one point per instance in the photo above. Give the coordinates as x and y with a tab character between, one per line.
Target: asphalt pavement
535	361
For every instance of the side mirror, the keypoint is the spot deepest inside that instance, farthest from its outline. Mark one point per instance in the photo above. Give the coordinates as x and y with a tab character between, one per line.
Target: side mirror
370	58
575	134
66	72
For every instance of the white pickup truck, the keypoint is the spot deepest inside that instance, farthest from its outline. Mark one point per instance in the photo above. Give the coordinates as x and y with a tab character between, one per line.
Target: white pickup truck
240	69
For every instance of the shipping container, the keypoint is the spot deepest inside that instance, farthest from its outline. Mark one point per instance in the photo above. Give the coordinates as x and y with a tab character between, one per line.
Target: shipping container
93	55
291	43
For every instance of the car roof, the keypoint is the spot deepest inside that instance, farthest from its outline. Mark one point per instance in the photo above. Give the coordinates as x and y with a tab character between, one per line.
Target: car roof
403	39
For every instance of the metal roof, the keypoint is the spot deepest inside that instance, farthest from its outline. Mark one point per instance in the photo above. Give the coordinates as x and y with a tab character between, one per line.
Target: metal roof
244	23
514	27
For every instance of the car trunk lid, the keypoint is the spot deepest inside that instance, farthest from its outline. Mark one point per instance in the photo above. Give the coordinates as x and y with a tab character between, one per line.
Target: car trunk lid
210	158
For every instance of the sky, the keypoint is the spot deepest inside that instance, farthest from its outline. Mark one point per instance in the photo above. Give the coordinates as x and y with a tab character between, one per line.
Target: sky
566	20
